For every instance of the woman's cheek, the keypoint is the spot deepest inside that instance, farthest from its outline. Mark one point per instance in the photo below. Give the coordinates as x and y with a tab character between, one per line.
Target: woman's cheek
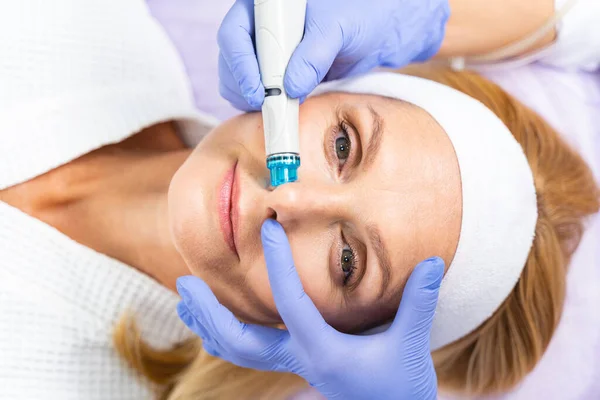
311	256
311	259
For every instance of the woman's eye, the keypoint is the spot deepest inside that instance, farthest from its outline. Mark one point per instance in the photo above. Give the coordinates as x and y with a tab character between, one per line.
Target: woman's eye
342	148
347	262
343	145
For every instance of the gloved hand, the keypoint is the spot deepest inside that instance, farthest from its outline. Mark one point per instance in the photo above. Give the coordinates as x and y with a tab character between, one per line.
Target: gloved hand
342	38
395	364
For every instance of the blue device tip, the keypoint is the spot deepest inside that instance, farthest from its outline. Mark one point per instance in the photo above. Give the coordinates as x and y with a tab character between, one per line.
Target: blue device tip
283	168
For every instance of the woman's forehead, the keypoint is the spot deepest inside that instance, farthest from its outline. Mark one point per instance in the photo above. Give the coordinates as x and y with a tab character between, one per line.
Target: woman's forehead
412	192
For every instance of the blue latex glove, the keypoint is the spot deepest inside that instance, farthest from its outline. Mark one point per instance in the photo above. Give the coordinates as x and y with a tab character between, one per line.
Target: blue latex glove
395	364
342	38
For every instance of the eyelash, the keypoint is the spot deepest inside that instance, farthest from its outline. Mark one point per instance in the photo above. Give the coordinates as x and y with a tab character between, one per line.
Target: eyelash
344	129
348	279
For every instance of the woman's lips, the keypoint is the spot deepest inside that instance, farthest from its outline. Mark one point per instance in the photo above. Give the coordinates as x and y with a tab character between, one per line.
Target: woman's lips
228	208
235	208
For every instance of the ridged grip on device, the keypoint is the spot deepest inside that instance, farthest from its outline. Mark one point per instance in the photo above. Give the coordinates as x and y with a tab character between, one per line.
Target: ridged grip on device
283	168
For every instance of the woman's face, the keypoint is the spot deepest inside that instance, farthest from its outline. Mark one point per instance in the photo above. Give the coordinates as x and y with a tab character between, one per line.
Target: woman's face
378	191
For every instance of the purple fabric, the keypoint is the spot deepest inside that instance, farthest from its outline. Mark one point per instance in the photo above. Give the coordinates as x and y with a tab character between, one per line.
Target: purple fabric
569	101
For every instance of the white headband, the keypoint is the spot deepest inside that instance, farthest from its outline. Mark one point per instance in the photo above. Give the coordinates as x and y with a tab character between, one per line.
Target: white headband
498	195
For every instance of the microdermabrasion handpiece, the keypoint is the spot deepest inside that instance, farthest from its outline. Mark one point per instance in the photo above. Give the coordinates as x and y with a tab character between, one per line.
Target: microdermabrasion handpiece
279	26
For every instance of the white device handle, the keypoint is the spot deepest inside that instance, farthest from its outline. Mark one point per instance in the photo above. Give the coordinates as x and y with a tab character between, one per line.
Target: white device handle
279	27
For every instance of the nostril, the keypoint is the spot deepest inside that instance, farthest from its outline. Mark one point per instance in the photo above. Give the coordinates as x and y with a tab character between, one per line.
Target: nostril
272	214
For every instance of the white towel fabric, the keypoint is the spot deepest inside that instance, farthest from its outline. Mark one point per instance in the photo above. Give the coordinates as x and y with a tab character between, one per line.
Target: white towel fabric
76	75
68	69
59	304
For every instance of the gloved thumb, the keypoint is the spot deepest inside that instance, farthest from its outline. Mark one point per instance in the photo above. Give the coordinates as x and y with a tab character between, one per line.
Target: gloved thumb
419	300
301	317
311	60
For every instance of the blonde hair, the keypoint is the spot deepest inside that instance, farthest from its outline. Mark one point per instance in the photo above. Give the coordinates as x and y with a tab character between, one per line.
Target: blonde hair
493	358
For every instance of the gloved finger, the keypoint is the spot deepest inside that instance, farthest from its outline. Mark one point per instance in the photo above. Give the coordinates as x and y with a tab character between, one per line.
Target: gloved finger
216	350
223	328
341	69
312	58
419	300
228	88
297	310
211	350
191	322
235	39
438	17
242	362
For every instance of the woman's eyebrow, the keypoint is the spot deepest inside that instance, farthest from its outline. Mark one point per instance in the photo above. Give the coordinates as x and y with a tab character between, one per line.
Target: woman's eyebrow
383	258
375	139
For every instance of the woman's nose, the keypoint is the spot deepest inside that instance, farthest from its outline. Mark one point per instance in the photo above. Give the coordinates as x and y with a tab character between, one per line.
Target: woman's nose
294	202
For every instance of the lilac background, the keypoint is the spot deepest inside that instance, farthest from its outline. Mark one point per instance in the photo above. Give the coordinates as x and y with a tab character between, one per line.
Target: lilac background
192	25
